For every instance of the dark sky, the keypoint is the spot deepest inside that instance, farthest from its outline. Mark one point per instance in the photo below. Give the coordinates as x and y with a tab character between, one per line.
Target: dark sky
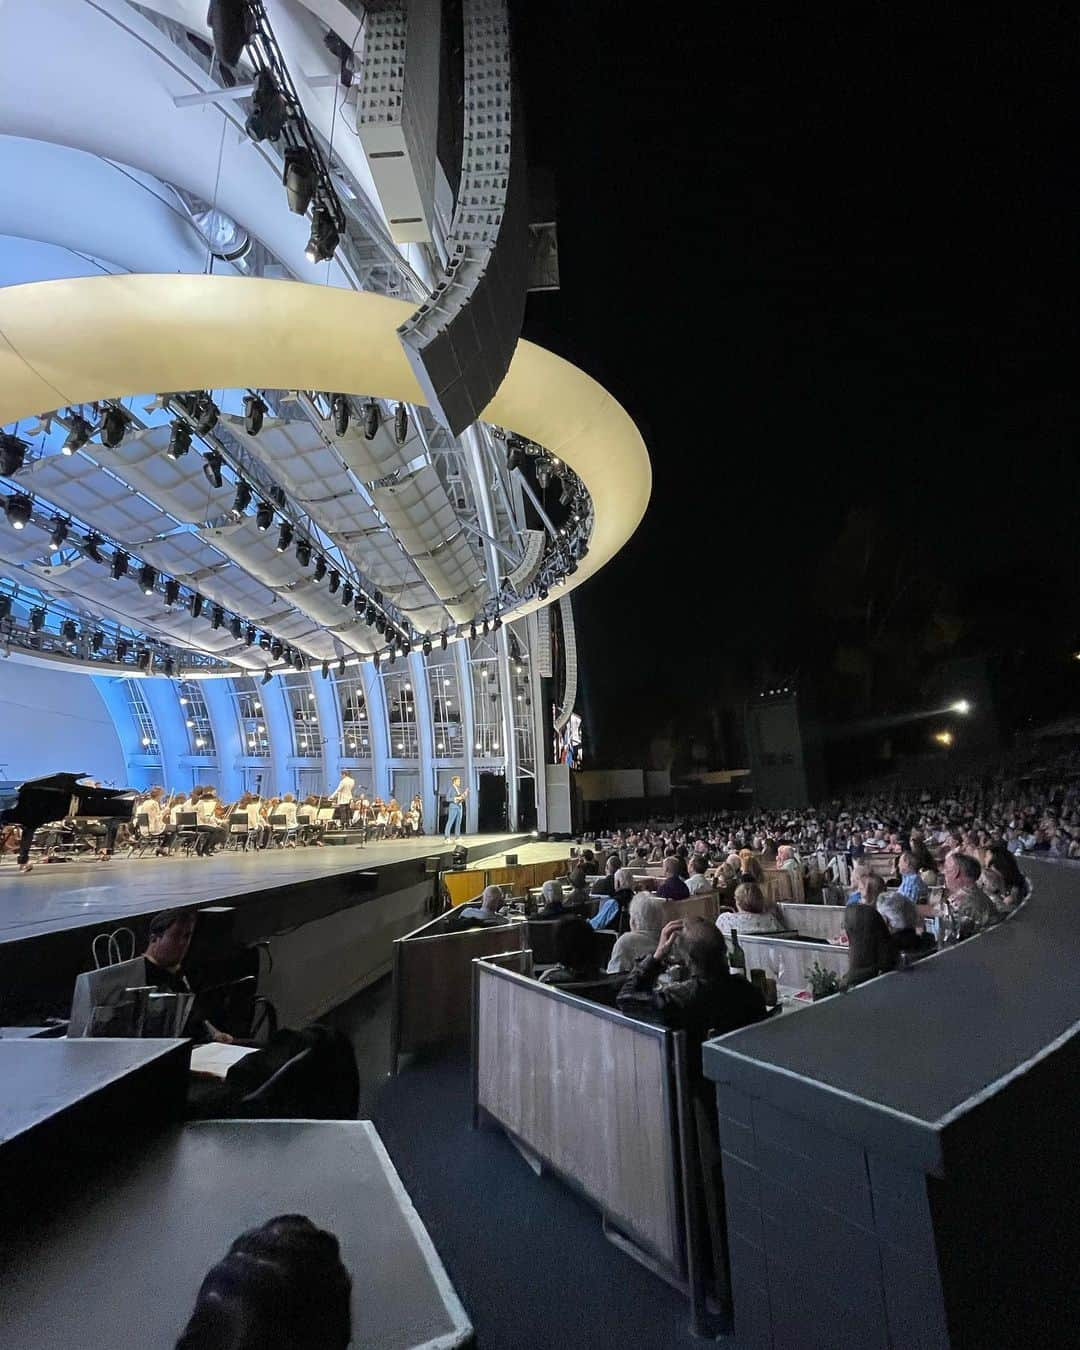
827	267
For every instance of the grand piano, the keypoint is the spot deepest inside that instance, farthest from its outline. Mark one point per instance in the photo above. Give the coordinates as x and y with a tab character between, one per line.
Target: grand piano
78	810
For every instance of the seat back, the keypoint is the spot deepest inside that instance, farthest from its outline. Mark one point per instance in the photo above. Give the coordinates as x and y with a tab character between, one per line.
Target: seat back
187	820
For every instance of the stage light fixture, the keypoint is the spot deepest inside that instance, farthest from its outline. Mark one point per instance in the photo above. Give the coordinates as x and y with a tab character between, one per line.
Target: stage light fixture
334	582
172	592
79	432
37	619
372	419
298	660
543	474
323	241
542	593
339	411
97	639
267	677
515	454
19	509
123	646
119	565
196	604
425	646
179	440
961	706
303	552
142	659
114	425
217	617
375	658
147	579
298	176
212	467
285	536
341	666
320	568
496	622
264	516
401	424
229	22
5	606
236	628
405	644
472	631
12	454
380	623
276	649
346	595
206	414
264	641
393	655
250	635
370	614
254	412
485	628
168	668
269	114
242	500
326	670
443	640
92	547
68	631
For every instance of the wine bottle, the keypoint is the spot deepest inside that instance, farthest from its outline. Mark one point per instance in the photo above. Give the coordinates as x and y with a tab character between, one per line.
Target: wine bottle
737	957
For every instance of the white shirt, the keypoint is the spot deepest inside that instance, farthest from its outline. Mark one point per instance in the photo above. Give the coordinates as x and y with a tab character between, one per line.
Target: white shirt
185	805
288	810
698	882
151	808
204	809
343	793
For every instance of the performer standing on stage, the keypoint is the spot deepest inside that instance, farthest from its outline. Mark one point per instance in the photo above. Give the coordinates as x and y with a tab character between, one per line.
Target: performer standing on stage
416	814
343	799
456	798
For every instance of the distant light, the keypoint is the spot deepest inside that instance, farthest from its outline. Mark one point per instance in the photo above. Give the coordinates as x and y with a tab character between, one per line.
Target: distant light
961	706
199	740
943	737
536	834
190	723
146	740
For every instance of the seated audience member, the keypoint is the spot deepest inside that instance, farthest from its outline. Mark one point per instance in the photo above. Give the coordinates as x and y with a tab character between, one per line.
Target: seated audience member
786	859
708	1000
855	849
672	887
556	903
919	851
902	919
612	912
912	886
606	884
727	879
750	866
752	913
972	909
870	952
279	1287
859	874
167	946
1001	878
697	880
646	920
575	948
485	913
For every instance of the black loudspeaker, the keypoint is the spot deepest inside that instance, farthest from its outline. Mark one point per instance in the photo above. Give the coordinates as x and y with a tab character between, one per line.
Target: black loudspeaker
460	856
431	865
511	860
491	803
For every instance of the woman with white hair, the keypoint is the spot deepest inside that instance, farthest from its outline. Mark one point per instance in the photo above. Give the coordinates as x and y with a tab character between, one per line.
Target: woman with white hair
647	914
901	919
610	912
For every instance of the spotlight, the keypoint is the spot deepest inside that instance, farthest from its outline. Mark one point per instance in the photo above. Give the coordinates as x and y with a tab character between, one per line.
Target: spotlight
92	547
323	241
515	454
147	579
401	424
370	614
303	553
179	440
242	500
97	639
217	617
298	177
472	630
68	631
962	706
206	414
443	640
341	666
168	668
264	642
119	565
320	568
122	649
229	24
250	635
496	622
196	604
346	594
943	737
326	670
142	659
268	112
5	606
236	628
380	623
254	412
267	677
298	660
425	646
114	425
264	516
543	474
339	409
276	649
542	593
377	597
172	591
375	659
37	619
212	466
12	454
405	644
334	582
79	432
485	627
19	509
358	604
371	419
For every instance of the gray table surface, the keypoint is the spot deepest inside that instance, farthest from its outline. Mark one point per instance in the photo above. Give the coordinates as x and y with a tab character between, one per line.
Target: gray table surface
124	1268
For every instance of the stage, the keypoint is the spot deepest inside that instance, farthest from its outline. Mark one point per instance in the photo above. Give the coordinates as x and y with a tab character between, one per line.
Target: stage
50	916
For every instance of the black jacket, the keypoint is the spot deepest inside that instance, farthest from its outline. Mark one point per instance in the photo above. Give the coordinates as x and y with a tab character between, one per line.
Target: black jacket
696	1005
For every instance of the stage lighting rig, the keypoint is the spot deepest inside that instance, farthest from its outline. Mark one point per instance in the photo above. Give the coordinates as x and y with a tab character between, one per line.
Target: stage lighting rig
12	454
425	646
303	553
123	647
320	568
542	593
79	432
250	635
242	500
97	640
299	178
496	622
92	547
277	647
254	412
196	604
114	425
264	516
324	239
37	619
172	592
268	115
334	582
230	26
147	579
370	614
401	424
372	419
19	509
341	665
68	631
339	409
326	670
179	440
346	595
119	565
59	532
236	628
443	640
168	667
213	463
142	659
205	414
217	617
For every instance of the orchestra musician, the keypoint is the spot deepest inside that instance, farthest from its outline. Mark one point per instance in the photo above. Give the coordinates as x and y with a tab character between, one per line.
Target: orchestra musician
158	822
211	832
287	808
456	797
416	815
342	797
393	818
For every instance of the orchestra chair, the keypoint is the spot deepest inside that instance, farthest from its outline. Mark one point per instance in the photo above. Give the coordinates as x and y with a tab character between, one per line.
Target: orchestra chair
187	830
239	834
281	832
142	839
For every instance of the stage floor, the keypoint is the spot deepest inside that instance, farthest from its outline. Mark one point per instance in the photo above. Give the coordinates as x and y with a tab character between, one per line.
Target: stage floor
58	896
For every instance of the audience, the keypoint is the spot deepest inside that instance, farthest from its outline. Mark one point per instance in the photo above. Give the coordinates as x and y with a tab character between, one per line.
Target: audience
575	950
697	880
646	920
613	913
556	904
485	914
912	886
971	908
751	915
672	887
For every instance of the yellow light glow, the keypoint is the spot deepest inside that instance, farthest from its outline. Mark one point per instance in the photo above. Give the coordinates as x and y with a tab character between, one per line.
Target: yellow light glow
943	737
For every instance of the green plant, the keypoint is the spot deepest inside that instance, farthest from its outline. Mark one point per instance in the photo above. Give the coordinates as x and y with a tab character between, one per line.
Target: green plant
823	982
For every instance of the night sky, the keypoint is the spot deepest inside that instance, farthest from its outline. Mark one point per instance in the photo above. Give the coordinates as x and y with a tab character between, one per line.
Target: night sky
828	270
